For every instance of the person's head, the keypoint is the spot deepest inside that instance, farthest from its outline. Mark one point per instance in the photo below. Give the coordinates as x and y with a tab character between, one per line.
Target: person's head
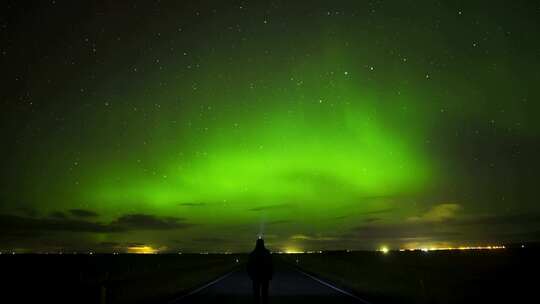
260	244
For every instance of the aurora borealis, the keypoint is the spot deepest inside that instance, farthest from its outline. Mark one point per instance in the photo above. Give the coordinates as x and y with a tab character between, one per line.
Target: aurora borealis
187	126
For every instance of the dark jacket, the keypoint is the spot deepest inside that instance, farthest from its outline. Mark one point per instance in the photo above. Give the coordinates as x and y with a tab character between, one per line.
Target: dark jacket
259	265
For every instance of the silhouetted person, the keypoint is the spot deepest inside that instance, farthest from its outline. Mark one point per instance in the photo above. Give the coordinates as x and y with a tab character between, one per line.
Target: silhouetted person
260	270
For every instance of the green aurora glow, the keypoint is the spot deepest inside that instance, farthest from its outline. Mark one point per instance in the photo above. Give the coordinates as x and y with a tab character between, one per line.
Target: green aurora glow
308	124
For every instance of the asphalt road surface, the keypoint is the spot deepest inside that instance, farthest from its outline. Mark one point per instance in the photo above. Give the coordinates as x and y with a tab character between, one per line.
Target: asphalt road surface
288	286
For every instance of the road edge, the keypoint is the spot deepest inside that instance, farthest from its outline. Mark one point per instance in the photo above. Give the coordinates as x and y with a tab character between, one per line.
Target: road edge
332	286
180	298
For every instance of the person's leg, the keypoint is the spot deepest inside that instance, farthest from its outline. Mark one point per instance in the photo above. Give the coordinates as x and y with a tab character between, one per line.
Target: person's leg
256	291
264	291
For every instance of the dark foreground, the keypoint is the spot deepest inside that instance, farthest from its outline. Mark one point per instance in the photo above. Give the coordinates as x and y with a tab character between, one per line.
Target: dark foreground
288	286
505	276
435	277
110	279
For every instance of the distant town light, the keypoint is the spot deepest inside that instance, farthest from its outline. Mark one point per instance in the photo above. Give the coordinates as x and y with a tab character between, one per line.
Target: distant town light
384	250
293	251
141	249
427	249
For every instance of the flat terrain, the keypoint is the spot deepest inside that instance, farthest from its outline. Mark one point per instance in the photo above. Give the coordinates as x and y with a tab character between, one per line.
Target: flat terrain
473	276
498	276
287	286
119	279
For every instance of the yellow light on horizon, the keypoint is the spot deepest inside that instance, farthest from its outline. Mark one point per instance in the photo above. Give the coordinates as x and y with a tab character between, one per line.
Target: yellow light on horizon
427	249
141	249
384	250
293	251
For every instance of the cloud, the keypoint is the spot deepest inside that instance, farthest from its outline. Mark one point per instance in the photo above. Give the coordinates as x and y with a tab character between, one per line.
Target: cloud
442	223
517	219
149	222
58	215
209	240
83	213
27	211
270	207
305	237
402	231
13	225
438	213
110	244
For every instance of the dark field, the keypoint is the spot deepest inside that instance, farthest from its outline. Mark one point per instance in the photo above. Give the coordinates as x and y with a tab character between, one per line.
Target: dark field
500	276
472	276
117	278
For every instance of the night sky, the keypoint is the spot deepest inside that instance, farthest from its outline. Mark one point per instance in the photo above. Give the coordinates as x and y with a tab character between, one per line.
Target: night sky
199	125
